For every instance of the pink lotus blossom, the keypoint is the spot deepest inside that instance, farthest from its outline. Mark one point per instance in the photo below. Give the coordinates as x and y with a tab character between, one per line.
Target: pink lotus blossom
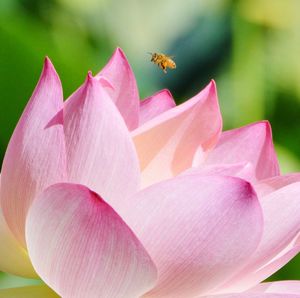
107	196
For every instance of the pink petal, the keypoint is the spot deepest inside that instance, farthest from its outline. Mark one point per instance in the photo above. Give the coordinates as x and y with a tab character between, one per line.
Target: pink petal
254	295
265	187
100	152
81	247
199	230
280	287
279	243
241	170
166	144
156	104
251	143
125	93
35	157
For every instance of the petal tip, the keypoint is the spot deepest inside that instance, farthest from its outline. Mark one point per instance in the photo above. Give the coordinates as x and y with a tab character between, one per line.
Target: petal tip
212	86
90	80
49	69
118	51
167	92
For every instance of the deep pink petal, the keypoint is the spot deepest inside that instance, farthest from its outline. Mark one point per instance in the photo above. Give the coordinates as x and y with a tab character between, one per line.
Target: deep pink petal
166	144
125	93
100	151
251	143
279	243
155	105
81	247
199	230
35	157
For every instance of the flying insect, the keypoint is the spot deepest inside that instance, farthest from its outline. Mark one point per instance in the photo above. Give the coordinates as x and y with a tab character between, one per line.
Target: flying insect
163	61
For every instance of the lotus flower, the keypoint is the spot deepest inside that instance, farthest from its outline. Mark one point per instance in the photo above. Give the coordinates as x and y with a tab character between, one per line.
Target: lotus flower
106	196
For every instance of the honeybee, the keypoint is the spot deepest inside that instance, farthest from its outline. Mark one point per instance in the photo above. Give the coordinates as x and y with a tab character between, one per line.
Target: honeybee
163	61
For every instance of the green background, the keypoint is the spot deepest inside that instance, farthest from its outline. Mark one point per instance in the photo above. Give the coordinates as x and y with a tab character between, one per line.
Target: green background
250	47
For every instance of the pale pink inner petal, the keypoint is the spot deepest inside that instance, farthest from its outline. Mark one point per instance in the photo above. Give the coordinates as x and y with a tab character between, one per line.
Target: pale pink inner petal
125	93
253	295
166	144
35	157
251	143
100	151
279	243
283	287
242	170
82	248
155	105
265	187
199	230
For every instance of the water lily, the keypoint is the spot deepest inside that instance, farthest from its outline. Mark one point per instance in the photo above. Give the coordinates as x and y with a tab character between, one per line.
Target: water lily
104	195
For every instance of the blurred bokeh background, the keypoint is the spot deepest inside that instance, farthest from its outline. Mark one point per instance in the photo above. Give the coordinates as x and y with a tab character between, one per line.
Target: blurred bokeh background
250	47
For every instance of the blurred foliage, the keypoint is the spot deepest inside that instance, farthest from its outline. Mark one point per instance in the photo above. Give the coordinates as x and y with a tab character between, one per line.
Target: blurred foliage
250	47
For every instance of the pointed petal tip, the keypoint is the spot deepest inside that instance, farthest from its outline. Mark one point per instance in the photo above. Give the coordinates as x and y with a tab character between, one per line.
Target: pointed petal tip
48	62
90	76
90	80
210	91
212	81
49	67
119	52
263	124
166	91
212	87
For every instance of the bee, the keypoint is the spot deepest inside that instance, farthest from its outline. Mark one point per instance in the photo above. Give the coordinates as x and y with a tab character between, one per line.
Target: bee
163	61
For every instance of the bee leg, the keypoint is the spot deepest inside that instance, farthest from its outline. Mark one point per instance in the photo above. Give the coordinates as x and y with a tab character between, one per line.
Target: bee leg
164	67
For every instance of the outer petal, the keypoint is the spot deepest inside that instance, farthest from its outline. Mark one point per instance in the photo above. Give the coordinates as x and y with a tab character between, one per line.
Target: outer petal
198	230
241	170
251	143
125	93
254	295
35	157
167	143
282	287
28	292
267	186
155	105
91	252
100	151
279	244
